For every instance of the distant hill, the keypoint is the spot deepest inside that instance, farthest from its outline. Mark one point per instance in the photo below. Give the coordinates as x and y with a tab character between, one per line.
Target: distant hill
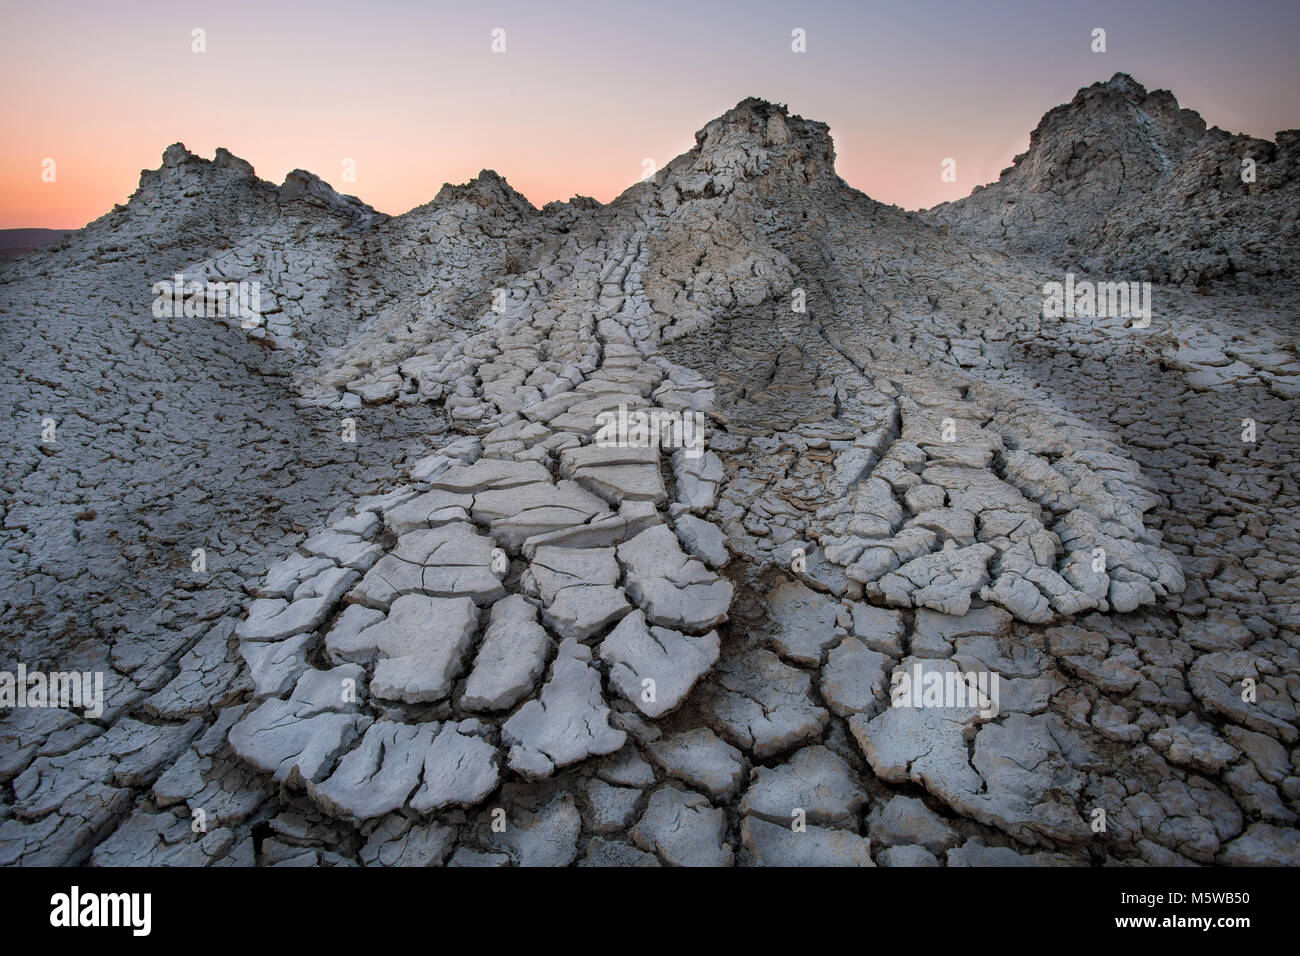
16	242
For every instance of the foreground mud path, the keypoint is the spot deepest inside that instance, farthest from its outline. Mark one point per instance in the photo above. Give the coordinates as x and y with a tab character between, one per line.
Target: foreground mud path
484	633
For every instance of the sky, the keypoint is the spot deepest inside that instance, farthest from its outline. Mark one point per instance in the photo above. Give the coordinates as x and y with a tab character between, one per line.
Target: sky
414	96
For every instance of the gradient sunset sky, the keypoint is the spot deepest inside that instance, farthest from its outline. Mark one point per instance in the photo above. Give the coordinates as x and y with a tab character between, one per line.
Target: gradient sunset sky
586	90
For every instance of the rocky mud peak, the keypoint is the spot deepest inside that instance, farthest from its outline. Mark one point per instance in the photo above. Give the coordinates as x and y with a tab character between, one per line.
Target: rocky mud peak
756	146
1123	179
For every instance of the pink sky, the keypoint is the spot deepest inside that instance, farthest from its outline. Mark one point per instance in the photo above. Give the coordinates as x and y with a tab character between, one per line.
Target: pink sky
585	91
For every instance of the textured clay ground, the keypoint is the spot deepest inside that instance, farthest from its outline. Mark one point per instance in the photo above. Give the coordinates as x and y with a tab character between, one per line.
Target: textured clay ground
478	636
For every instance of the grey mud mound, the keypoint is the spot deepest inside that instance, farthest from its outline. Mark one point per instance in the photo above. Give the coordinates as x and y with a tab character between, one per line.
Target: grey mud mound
439	618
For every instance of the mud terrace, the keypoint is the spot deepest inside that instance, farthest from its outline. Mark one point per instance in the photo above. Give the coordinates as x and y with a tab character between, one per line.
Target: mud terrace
437	622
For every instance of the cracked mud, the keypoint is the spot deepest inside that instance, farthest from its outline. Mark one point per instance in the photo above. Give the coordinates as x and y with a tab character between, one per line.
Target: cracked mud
479	635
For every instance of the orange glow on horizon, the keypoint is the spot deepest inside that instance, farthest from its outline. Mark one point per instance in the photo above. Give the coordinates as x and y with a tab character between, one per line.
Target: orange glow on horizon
584	92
